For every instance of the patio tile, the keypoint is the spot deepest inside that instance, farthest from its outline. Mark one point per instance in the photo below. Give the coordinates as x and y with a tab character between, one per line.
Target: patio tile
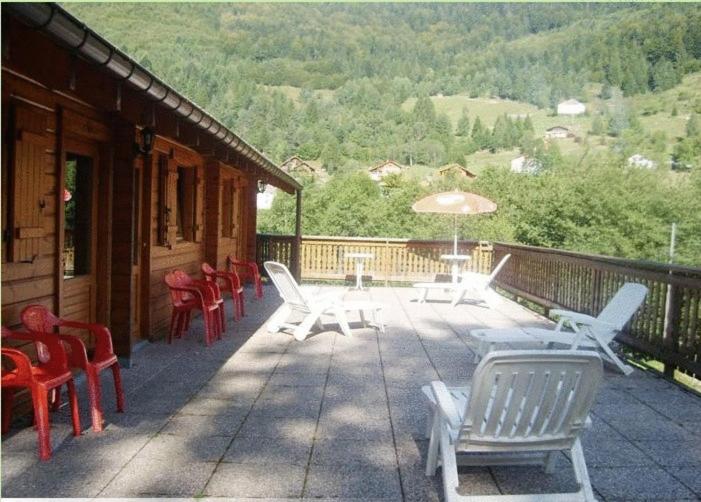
191	425
297	379
273	408
165	447
637	483
266	451
278	427
258	481
173	477
354	428
689	476
673	453
353	481
532	479
614	454
353	451
207	406
416	486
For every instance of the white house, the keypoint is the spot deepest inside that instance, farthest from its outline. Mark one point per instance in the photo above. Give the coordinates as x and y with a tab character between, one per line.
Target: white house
557	132
638	160
385	168
571	107
524	165
265	199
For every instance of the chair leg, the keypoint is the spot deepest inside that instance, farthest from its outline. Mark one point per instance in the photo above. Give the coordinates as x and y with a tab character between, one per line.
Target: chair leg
449	467
423	294
73	400
55	398
40	399
433	444
174	322
118	390
458	296
207	319
302	330
580	470
8	398
259	287
222	318
279	318
242	304
550	461
93	380
343	322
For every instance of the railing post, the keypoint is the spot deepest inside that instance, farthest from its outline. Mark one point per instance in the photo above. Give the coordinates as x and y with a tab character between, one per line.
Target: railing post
297	245
671	325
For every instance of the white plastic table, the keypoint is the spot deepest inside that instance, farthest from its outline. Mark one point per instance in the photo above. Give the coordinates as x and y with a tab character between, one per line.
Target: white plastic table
455	264
359	262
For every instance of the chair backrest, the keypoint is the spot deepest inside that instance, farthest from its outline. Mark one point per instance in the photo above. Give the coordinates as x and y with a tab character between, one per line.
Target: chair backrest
39	318
286	284
208	271
530	400
624	304
498	268
174	280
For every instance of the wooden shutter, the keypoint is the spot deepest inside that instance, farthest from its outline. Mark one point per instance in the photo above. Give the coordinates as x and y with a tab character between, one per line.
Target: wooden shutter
27	183
167	201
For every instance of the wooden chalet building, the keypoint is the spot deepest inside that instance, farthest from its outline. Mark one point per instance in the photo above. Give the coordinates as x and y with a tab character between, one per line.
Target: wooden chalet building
110	178
457	170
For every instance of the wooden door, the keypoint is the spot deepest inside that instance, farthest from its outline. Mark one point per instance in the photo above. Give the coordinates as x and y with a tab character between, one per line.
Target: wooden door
81	165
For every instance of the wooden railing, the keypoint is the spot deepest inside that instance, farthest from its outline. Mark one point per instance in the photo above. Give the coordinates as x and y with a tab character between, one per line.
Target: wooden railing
395	260
668	327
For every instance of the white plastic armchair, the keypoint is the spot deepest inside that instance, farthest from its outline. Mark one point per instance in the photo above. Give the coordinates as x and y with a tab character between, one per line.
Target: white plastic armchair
477	284
587	332
474	284
522	408
313	305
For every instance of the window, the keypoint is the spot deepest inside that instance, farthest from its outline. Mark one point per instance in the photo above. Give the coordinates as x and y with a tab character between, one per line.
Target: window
78	196
186	203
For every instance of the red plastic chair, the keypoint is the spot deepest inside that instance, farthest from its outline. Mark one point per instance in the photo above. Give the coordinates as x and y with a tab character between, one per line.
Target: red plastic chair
39	380
247	272
219	322
37	318
186	297
227	282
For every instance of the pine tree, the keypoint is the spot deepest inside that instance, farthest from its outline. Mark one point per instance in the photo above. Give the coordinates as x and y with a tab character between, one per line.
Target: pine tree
463	126
479	134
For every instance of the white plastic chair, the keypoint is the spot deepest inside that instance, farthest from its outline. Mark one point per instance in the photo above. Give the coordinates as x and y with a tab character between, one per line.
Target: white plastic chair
587	332
477	285
522	408
313	305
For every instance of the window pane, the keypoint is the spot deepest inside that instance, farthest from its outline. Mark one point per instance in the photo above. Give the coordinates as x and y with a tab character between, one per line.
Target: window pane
77	196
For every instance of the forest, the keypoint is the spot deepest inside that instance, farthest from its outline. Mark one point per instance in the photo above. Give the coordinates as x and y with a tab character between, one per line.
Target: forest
348	85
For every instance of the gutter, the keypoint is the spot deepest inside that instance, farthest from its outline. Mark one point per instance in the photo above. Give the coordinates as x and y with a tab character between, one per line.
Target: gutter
52	19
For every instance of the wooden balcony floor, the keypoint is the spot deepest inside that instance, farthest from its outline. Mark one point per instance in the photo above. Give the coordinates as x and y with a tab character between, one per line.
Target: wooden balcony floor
263	416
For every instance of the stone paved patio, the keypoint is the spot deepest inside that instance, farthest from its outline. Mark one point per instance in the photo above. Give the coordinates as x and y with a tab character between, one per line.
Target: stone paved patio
263	416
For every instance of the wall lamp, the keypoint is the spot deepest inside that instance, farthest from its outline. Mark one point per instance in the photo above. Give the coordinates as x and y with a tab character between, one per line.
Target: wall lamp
262	185
147	137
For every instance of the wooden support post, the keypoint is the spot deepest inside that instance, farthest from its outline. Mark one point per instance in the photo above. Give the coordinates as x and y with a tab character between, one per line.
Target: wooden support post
671	326
123	227
297	245
212	214
144	286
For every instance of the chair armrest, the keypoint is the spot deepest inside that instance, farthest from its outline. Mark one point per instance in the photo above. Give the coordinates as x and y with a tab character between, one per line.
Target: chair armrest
582	319
21	362
193	291
57	354
78	357
103	337
445	404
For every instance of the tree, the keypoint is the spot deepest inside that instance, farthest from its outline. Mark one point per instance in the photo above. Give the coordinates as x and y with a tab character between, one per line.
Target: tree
480	135
597	126
424	111
463	125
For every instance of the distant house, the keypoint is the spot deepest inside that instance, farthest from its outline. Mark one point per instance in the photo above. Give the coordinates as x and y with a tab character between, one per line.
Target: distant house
638	160
455	170
571	107
558	132
384	169
296	165
525	165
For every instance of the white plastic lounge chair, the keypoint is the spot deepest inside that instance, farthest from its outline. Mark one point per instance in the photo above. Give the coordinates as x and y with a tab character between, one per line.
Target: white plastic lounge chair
313	306
522	408
477	285
588	332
